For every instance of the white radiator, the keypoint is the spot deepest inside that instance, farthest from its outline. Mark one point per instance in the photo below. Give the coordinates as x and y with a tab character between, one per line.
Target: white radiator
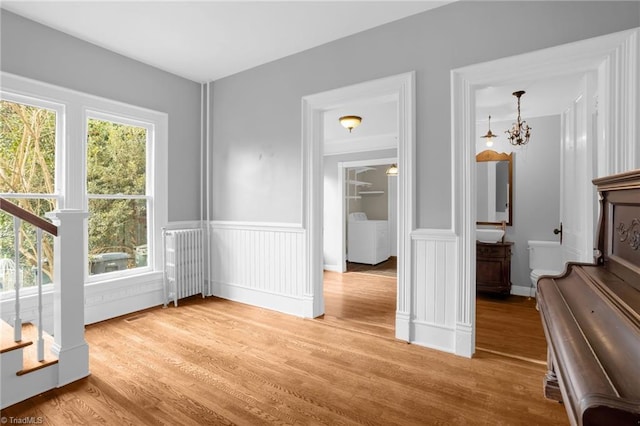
183	269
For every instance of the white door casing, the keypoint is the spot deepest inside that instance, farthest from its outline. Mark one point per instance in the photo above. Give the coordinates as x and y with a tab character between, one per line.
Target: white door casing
402	88
577	194
342	209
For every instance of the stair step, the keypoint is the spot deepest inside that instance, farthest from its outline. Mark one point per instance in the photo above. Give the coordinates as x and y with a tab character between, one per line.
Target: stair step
29	347
30	362
8	344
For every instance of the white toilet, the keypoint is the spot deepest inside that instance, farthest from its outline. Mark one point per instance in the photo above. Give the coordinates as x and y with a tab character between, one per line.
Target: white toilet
545	258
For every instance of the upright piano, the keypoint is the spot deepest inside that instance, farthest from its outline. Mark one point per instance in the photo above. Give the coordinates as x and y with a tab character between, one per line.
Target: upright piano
591	316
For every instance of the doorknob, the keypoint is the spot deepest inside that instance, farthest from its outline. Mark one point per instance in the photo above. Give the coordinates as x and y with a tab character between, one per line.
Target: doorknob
559	231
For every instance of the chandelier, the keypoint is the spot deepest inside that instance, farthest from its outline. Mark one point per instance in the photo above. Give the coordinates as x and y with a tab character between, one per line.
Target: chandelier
520	132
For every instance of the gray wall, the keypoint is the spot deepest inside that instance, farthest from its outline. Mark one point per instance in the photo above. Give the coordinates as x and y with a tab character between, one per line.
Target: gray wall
536	188
376	206
32	50
257	113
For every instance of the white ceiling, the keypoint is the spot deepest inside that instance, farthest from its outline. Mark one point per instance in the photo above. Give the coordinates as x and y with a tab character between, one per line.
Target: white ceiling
543	97
206	40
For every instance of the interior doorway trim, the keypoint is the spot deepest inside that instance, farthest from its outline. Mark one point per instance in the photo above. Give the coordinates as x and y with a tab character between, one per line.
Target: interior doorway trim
402	88
616	58
342	166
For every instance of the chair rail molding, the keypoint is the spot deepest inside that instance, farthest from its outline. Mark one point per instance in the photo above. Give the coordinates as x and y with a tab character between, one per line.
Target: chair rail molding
614	57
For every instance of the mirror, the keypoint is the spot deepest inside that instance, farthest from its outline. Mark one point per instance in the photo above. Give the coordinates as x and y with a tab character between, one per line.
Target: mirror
494	184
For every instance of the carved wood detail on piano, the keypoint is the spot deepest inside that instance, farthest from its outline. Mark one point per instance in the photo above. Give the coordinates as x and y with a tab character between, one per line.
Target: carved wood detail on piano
630	233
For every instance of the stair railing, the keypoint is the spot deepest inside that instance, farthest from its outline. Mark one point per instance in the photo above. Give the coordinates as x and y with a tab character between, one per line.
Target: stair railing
19	214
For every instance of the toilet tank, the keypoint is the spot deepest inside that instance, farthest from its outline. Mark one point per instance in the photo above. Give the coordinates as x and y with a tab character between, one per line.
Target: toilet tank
545	255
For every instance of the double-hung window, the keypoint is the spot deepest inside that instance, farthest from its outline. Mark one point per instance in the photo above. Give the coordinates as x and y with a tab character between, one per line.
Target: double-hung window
63	149
117	193
30	134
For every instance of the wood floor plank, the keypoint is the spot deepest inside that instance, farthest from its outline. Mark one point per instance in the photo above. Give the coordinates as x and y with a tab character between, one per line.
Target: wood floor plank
213	362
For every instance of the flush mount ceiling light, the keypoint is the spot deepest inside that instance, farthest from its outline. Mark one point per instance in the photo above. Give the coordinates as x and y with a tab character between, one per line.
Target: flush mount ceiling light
490	135
520	132
350	121
392	170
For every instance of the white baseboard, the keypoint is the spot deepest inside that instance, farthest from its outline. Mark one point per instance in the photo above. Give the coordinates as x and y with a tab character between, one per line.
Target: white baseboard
277	302
333	268
517	290
465	345
403	326
433	336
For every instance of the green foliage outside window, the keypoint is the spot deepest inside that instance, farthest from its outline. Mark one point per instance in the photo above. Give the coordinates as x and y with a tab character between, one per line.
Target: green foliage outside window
27	165
116	164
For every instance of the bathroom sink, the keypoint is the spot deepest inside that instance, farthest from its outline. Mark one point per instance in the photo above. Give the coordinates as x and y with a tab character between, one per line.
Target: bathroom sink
489	235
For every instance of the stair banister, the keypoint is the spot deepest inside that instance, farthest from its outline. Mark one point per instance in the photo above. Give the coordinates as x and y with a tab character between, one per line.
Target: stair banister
68	299
19	214
23	214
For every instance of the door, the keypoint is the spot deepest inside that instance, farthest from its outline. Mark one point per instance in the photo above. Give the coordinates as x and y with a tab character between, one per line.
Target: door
577	170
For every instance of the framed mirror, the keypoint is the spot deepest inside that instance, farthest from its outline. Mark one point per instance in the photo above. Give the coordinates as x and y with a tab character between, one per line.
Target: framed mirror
494	188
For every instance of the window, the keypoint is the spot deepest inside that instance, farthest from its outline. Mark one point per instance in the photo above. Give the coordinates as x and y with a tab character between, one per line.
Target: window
70	150
117	194
28	140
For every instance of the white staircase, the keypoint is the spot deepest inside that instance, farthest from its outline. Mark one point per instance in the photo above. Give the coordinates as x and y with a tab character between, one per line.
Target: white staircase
22	375
31	361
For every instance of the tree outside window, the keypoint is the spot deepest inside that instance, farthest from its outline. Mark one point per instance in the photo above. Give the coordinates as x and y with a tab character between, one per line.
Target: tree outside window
27	178
116	188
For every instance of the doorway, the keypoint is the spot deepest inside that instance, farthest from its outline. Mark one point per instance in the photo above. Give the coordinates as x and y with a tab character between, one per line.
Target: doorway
399	88
600	55
360	229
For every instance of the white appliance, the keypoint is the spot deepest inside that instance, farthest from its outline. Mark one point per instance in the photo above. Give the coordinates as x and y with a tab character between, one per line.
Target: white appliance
367	240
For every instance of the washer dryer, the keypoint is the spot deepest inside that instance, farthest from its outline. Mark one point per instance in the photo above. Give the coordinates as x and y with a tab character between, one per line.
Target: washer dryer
367	240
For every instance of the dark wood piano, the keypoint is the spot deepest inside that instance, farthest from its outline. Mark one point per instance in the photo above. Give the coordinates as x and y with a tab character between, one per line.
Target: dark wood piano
591	317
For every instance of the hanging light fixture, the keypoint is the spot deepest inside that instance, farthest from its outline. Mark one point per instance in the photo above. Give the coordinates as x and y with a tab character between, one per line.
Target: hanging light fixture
520	132
490	135
350	121
392	170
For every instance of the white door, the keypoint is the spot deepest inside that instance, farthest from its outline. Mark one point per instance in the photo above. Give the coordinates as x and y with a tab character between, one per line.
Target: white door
577	192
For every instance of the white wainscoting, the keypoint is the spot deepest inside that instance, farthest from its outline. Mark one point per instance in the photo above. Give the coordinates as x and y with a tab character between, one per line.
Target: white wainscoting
259	264
433	293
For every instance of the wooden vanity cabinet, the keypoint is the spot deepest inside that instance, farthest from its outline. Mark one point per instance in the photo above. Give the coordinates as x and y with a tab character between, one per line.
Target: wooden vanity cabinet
493	267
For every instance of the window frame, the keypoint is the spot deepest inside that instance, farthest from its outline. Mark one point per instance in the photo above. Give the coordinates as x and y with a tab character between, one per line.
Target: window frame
71	145
147	196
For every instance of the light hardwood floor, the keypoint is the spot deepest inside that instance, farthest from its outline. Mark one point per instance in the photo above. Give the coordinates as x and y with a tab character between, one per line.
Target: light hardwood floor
367	303
214	361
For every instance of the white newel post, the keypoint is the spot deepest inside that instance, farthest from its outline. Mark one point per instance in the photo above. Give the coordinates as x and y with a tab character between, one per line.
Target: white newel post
68	298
